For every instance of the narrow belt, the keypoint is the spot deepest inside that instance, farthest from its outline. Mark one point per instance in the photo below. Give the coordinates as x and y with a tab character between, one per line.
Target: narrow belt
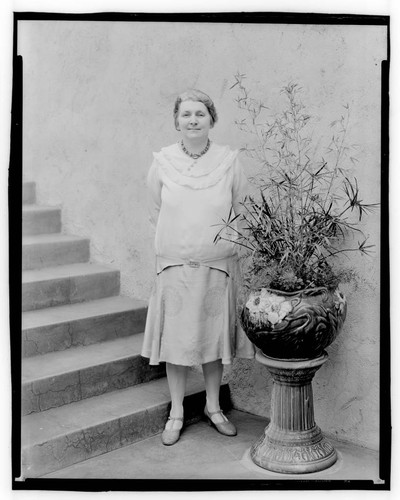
192	262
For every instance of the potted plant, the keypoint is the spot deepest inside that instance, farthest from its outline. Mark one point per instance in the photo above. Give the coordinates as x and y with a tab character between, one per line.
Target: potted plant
294	232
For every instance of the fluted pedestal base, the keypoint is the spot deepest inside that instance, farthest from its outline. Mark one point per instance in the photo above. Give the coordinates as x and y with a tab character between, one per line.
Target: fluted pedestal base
292	443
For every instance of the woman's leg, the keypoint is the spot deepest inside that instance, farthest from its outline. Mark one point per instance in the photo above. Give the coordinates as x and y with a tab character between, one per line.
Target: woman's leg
176	376
212	377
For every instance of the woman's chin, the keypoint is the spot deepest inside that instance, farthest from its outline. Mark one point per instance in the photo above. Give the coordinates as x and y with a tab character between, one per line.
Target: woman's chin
196	134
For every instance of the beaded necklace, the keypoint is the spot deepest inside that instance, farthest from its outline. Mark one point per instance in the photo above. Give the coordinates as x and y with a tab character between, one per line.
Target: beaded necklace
196	156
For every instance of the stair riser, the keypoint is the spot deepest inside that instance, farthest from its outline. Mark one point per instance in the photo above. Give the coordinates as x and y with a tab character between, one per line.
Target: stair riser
89	443
29	192
76	447
82	332
43	255
41	222
69	290
67	388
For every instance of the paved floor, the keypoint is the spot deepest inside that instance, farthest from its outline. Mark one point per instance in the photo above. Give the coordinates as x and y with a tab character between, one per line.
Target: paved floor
203	453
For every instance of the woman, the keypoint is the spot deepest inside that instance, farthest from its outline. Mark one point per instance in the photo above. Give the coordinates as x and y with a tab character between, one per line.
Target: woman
191	319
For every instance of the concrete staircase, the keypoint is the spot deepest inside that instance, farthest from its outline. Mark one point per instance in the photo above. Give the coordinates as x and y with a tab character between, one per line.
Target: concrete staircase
85	388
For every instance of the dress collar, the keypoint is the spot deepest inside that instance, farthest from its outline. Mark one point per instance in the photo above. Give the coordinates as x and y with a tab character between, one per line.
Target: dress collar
198	174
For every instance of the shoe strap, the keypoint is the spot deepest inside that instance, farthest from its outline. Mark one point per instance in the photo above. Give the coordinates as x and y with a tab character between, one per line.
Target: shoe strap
211	413
176	418
218	412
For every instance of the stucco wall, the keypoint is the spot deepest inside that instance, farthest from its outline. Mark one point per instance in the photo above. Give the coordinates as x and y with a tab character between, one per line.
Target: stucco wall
98	100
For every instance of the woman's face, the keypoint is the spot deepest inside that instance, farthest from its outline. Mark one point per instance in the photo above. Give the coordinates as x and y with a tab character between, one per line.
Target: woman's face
194	120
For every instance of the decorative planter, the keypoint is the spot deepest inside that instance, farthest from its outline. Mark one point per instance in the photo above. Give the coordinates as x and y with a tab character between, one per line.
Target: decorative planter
293	325
292	331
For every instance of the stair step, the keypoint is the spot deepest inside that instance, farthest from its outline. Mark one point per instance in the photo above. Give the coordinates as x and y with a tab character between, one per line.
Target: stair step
56	438
29	192
49	250
55	286
74	325
38	219
56	379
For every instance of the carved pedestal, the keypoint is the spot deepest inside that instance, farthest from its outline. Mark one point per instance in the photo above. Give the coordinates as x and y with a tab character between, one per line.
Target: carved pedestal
292	442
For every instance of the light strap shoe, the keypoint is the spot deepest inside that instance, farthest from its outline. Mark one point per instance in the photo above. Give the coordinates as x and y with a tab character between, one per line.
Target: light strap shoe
226	428
171	436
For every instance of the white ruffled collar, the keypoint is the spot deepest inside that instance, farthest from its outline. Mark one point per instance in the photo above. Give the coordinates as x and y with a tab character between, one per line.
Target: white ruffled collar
207	171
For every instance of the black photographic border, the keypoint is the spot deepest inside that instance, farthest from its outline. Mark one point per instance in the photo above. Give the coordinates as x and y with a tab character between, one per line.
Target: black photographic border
15	267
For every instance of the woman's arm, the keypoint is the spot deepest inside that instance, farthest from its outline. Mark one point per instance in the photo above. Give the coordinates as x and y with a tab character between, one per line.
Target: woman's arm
240	188
154	186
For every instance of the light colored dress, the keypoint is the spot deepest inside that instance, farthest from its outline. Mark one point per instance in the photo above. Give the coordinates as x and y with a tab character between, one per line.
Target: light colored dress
192	314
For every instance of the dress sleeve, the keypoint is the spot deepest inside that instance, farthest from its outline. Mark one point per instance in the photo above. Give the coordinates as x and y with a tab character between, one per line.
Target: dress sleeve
154	186
240	186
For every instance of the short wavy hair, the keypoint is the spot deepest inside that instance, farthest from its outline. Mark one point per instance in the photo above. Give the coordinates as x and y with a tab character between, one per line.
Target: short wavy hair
196	96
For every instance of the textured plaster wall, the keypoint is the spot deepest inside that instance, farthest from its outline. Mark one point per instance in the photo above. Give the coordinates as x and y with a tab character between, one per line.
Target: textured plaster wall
98	100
